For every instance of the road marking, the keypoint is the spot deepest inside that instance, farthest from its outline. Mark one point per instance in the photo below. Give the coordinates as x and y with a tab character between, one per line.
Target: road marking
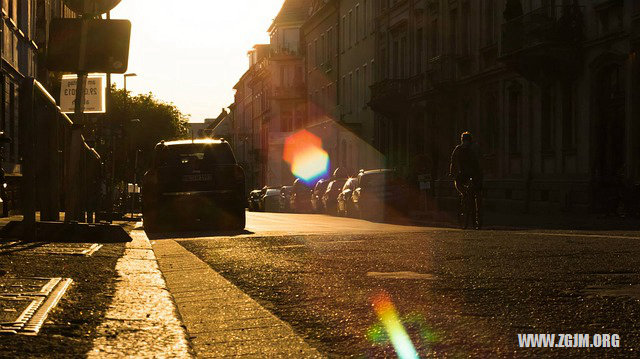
574	235
401	275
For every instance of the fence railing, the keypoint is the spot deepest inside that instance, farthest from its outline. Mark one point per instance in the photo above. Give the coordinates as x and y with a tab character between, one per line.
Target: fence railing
60	171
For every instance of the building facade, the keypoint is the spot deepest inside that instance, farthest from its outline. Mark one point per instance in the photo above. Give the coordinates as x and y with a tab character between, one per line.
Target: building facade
549	89
270	100
339	61
25	26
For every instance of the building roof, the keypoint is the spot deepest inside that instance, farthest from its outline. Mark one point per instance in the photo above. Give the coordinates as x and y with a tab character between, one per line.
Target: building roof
292	11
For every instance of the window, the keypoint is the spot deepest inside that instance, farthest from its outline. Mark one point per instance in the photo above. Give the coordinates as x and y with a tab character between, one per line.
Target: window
568	126
403	57
365	26
316	53
358	24
350	92
396	59
343	94
464	38
547	120
365	85
489	127
433	43
356	91
323	46
453	32
344	33
330	46
286	120
350	26
515	96
489	22
419	53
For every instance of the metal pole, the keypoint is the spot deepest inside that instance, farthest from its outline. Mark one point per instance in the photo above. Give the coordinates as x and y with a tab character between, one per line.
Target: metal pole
135	180
112	168
72	210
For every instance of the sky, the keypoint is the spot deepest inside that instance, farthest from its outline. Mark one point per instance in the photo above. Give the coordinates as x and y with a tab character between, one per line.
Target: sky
192	52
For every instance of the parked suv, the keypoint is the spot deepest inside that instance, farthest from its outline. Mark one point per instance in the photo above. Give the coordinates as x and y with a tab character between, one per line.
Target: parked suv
194	182
300	201
316	195
345	204
330	197
380	194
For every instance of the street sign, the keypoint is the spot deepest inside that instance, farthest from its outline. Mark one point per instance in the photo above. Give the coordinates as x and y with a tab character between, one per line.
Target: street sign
91	7
94	94
106	47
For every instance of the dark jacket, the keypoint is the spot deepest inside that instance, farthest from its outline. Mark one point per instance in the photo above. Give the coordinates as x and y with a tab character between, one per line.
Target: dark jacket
464	161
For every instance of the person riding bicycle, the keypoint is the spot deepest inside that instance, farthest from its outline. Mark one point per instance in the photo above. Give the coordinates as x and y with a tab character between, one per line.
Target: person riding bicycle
464	166
465	163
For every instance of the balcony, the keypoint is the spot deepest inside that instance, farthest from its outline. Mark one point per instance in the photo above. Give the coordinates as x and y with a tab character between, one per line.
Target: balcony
546	40
289	92
391	96
441	72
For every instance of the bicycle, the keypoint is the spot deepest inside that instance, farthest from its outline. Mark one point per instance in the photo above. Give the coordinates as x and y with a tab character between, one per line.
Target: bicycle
470	205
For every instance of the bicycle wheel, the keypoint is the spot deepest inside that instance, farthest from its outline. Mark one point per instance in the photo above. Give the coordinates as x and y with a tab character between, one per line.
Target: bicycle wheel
461	214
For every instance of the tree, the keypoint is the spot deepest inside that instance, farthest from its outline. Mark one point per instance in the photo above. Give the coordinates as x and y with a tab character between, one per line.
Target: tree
139	123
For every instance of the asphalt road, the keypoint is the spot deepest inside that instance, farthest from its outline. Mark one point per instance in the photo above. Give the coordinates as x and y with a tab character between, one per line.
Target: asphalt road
457	293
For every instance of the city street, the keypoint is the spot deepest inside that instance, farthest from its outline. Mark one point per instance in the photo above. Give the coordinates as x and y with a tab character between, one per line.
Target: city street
458	293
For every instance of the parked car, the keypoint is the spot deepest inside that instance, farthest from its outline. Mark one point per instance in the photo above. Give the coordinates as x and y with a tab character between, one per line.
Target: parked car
193	182
254	200
300	197
345	204
285	198
316	195
270	199
330	196
380	194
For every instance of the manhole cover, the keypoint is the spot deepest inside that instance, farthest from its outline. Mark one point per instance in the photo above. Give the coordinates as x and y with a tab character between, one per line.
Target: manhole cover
73	249
401	275
27	286
26	302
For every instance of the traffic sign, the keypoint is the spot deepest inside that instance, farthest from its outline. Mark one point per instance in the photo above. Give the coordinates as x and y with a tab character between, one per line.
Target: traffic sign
106	50
94	94
91	7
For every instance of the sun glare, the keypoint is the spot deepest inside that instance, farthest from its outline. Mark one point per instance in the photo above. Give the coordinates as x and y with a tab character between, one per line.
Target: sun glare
192	52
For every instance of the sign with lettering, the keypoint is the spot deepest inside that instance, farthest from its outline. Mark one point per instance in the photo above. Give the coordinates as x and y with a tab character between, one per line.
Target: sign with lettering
94	94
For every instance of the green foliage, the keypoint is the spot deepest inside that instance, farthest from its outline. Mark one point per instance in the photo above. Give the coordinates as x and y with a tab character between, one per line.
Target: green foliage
140	122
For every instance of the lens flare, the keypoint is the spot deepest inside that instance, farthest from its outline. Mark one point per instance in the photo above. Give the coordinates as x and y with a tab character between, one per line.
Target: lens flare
303	152
396	332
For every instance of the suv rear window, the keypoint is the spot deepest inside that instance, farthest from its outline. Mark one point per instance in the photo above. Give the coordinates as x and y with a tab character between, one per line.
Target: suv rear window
377	179
194	154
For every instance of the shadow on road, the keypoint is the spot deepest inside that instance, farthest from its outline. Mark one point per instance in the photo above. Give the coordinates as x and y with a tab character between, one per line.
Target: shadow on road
195	234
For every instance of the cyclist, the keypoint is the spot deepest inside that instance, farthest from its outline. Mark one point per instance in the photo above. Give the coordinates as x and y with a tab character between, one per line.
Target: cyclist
464	166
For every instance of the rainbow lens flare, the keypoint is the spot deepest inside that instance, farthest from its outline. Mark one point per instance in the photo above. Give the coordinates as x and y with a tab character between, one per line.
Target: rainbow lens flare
303	152
396	332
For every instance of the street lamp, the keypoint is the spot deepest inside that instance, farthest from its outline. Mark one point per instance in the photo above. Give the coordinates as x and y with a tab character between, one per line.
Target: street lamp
126	110
134	123
125	81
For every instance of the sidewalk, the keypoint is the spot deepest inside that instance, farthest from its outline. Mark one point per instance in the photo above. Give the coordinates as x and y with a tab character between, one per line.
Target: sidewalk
562	221
114	302
117	303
